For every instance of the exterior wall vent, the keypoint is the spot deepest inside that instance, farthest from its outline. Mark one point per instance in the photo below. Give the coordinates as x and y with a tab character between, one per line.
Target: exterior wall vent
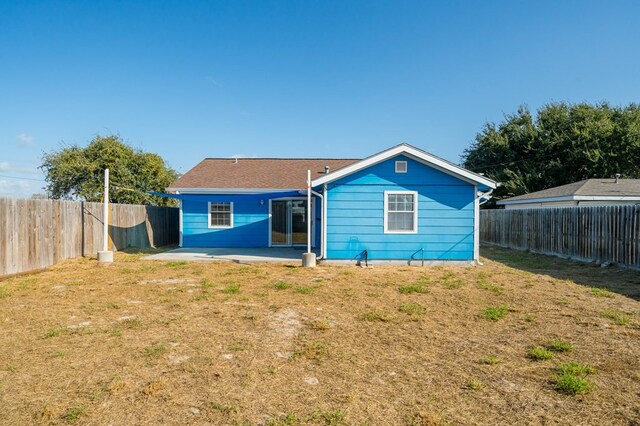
401	167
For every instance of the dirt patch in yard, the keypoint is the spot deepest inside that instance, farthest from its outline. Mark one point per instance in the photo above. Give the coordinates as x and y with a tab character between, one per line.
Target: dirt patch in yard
143	342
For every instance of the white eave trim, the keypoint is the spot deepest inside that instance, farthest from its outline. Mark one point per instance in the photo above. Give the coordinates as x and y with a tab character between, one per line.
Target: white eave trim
571	198
417	154
230	190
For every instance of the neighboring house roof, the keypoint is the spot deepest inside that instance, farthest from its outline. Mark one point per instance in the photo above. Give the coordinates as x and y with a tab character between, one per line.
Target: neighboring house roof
231	174
418	155
585	190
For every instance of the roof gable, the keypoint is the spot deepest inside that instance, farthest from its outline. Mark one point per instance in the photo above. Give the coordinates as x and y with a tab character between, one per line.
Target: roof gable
384	173
415	154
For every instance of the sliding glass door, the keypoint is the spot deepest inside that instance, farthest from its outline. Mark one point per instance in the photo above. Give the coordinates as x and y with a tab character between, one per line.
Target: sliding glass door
289	222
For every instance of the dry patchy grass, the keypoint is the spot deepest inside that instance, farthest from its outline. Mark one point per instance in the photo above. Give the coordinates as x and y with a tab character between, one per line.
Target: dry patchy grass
143	342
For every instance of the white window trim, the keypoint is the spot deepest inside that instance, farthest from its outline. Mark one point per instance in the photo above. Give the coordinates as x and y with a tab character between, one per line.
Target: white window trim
406	166
209	215
386	211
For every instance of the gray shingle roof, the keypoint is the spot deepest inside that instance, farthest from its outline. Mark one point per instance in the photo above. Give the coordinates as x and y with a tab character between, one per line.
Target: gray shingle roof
589	187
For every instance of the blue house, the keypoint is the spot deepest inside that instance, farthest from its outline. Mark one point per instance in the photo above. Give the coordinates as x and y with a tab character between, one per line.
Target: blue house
399	204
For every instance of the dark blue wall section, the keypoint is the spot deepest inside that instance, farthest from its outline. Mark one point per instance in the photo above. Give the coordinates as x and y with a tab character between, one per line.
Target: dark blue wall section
250	220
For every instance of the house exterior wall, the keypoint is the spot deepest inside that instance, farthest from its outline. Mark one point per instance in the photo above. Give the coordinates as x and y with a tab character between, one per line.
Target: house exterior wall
355	214
251	226
538	205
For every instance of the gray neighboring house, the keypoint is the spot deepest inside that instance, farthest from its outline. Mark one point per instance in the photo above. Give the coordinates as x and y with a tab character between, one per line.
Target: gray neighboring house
590	192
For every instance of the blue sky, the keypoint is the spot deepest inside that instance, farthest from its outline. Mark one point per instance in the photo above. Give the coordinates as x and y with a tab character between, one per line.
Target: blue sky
191	79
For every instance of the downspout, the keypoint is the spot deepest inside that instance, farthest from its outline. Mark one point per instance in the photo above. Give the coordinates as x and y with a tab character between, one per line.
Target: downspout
476	219
485	195
317	194
476	227
180	224
324	221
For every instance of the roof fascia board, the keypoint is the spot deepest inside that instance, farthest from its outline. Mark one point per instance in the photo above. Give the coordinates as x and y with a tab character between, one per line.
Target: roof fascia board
607	197
442	169
572	198
231	190
536	200
415	153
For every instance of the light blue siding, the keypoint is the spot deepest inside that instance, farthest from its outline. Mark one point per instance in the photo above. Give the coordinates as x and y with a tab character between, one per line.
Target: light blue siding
250	221
355	213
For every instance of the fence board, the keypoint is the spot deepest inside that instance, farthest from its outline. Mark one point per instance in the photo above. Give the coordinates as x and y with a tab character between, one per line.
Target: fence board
35	234
600	234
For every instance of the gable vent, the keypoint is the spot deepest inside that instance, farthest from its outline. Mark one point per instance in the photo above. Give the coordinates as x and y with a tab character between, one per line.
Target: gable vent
401	167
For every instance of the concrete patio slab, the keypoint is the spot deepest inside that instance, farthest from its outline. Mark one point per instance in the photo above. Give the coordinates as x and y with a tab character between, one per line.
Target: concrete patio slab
239	255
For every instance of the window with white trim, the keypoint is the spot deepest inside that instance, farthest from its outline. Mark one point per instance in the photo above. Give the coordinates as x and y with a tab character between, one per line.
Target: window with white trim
400	212
221	214
401	167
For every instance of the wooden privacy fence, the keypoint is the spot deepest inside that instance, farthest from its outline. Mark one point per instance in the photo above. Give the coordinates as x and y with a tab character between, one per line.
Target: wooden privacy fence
35	234
600	234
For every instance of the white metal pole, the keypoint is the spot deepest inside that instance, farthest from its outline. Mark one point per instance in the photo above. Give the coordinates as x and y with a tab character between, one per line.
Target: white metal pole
308	211
105	234
325	213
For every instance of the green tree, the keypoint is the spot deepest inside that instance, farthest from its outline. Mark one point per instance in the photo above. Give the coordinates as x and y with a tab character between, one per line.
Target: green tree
78	173
563	143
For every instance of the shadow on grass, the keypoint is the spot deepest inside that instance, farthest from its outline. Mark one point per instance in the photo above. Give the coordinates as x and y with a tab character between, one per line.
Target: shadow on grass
148	250
619	280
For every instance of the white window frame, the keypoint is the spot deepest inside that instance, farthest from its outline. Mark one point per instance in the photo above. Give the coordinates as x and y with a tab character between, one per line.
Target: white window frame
406	166
386	212
209	215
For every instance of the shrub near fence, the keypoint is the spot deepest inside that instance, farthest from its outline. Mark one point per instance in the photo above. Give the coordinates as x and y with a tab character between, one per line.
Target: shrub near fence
600	234
35	234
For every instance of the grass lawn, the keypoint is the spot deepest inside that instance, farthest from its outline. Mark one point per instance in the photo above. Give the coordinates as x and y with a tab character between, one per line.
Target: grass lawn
523	339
